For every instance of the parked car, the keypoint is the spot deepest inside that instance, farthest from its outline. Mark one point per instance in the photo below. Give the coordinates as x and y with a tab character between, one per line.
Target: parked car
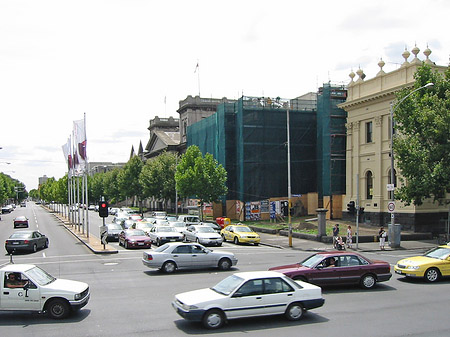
433	265
189	219
337	267
177	255
171	218
248	294
203	234
240	234
134	238
21	222
29	288
26	240
159	214
91	208
113	210
162	234
114	230
7	209
217	228
160	222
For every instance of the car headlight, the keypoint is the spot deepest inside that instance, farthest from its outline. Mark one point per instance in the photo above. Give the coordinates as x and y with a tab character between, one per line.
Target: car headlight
412	267
77	296
189	307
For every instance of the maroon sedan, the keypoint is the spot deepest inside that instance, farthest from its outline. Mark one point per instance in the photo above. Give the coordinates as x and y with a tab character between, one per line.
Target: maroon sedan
333	268
134	238
21	222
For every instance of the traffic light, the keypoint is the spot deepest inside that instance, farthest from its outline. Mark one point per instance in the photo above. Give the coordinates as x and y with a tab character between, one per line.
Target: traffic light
103	209
351	207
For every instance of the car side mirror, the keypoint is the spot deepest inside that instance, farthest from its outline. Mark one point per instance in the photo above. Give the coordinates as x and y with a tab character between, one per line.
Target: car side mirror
238	294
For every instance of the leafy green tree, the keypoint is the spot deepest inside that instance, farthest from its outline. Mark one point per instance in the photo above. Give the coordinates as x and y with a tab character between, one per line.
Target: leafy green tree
200	176
422	141
128	179
158	177
97	187
111	186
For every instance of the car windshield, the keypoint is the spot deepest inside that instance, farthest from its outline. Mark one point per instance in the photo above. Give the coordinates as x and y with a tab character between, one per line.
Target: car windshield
311	261
40	276
20	236
438	253
178	224
192	219
205	229
136	232
228	285
165	229
143	225
114	226
242	229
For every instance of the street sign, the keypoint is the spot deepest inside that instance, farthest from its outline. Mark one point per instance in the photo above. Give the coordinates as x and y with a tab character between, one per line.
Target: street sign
391	206
390	187
104	234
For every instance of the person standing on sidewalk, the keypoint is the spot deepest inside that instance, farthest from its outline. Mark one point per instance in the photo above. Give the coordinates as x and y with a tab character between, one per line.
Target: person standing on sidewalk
382	235
349	237
335	234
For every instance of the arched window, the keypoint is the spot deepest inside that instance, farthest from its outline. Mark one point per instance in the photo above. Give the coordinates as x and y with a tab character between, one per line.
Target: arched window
390	182
369	185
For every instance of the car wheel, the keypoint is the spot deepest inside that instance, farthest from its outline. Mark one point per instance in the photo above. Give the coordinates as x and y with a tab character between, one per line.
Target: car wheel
169	267
158	242
294	312
256	243
58	308
236	240
34	248
213	319
368	281
432	275
223	237
224	264
197	240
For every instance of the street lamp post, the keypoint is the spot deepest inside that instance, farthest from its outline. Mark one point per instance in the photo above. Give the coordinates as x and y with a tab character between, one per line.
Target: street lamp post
392	109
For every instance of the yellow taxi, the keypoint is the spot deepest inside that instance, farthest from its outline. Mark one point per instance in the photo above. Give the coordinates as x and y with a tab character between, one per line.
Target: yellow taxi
240	234
433	265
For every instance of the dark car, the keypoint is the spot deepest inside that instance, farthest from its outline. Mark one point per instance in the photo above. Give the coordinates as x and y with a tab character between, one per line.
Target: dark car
26	240
213	225
114	230
134	238
337	268
21	222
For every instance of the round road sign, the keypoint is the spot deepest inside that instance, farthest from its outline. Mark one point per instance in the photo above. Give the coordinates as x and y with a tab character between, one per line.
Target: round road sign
391	206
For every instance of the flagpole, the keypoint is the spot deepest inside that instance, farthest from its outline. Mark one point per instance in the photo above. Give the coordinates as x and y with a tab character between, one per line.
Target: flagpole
197	70
86	178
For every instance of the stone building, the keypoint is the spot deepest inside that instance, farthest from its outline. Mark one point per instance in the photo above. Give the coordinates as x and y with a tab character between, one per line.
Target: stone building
368	162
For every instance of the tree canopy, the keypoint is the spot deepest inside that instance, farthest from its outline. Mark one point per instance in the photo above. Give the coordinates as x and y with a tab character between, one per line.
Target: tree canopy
421	144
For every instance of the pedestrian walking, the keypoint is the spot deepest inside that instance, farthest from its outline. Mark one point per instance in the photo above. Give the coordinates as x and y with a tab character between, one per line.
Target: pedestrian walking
382	234
349	237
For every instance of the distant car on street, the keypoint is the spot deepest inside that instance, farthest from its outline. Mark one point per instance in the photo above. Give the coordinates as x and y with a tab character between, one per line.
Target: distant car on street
203	234
240	234
27	240
21	222
338	268
178	255
217	228
114	230
248	294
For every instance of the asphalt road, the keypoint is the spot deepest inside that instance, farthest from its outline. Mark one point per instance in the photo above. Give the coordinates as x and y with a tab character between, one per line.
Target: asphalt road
128	299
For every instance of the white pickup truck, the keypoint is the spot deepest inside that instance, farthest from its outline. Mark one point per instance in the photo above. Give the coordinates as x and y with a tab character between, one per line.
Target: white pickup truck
25	287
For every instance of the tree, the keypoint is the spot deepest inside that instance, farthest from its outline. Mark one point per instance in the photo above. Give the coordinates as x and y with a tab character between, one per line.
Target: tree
422	141
200	176
128	180
111	187
158	177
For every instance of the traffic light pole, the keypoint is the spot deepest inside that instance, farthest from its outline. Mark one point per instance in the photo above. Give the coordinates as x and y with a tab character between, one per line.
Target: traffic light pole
357	210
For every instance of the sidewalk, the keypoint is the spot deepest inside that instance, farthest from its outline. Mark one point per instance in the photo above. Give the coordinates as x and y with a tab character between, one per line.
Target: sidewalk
282	242
92	242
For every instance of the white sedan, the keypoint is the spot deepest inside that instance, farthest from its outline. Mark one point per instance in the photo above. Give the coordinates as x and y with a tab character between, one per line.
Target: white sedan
203	234
162	234
172	256
248	294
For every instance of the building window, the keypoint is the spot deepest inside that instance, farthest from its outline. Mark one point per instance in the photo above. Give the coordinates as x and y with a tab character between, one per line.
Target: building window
369	132
369	185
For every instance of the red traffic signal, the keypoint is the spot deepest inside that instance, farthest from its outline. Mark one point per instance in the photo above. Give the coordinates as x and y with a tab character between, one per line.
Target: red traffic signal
103	209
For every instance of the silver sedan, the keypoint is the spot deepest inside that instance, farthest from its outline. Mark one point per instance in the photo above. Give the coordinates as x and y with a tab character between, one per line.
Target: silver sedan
203	234
172	256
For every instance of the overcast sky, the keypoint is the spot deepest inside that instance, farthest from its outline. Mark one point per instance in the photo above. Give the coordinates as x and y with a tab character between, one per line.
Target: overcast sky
123	62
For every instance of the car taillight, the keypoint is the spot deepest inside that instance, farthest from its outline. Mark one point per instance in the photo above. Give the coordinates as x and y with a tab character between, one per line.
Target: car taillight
149	257
26	241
